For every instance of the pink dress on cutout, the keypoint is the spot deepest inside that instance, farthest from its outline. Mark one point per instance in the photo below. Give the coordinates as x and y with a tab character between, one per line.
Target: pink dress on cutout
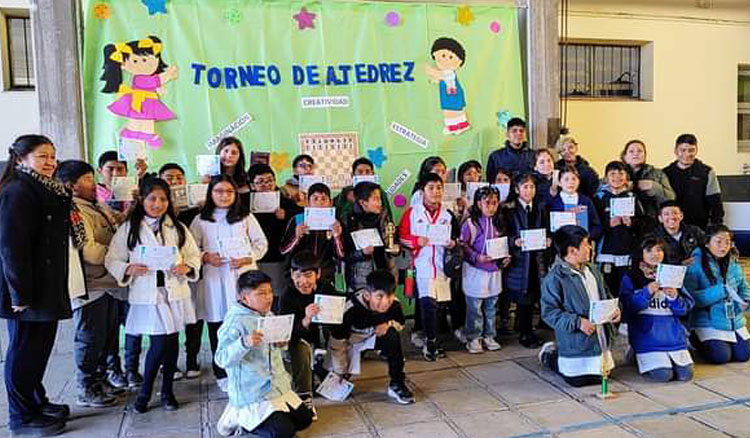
152	109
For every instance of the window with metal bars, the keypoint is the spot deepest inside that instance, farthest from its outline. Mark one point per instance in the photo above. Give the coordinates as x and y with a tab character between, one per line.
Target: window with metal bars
600	71
20	53
743	108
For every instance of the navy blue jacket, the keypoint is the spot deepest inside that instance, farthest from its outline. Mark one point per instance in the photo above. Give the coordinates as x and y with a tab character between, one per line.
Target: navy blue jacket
34	238
516	276
589	177
514	161
594	225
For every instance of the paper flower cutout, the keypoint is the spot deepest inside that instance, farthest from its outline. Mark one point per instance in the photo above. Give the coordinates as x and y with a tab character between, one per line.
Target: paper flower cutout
102	11
377	156
233	16
495	27
503	117
464	15
399	200
279	160
393	19
155	6
305	19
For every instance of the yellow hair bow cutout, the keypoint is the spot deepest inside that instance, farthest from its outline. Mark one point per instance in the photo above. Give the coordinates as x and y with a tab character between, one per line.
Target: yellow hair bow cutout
148	43
120	49
138	96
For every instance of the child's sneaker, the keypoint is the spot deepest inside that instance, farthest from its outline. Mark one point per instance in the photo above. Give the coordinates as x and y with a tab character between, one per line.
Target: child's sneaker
547	354
398	391
459	334
93	397
192	373
134	379
475	346
429	351
491	344
417	340
307	399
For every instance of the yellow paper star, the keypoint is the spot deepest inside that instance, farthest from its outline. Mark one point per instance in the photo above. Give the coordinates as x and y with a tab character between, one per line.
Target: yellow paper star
464	15
279	160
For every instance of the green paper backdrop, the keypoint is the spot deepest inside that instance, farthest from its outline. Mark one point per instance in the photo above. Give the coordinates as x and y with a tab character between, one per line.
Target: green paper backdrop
231	33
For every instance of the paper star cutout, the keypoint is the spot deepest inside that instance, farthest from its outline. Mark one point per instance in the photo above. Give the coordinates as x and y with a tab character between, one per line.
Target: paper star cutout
233	16
155	6
101	11
279	160
464	15
305	19
392	19
377	156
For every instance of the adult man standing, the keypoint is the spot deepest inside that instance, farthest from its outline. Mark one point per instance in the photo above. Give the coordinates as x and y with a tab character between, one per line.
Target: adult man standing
516	156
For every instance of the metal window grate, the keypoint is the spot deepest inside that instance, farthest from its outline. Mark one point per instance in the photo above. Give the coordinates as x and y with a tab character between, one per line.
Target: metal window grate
21	53
600	71
743	108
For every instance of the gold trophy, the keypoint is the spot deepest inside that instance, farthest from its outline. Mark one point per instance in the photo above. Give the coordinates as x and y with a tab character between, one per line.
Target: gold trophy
390	239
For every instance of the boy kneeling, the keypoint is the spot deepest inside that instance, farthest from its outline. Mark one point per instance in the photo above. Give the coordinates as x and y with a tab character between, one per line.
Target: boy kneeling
372	312
261	400
567	291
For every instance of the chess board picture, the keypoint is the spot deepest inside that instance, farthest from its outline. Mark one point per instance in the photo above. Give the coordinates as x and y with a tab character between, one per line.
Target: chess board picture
334	153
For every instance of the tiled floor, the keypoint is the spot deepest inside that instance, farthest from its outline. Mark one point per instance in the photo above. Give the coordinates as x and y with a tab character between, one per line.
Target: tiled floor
499	394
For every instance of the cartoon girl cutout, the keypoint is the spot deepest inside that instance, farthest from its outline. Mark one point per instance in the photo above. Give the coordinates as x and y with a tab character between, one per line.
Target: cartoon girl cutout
139	103
449	56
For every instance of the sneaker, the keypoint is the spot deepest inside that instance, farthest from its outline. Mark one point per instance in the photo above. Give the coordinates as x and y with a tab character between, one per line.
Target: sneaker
169	403
547	354
54	410
223	384
440	351
141	405
429	351
106	388
491	344
399	392
178	375
417	339
307	399
93	397
459	334
40	425
134	379
116	379
192	374
475	346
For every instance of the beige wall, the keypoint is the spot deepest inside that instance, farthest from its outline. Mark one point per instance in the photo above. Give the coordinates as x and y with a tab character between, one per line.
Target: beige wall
696	53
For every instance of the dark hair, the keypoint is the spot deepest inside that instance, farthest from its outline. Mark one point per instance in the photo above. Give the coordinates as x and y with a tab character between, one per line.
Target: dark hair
112	75
430	177
464	167
239	176
706	255
541	151
569	169
318	188
22	146
522	177
364	190
515	121
505	172
302	157
69	171
108	156
475	213
236	212
305	260
627	145
171	166
454	46
686	138
147	186
360	161
381	280
251	280
426	168
568	236
616	165
669	203
258	169
649	241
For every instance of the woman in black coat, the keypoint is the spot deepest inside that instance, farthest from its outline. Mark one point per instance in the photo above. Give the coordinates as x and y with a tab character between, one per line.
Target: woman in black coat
39	228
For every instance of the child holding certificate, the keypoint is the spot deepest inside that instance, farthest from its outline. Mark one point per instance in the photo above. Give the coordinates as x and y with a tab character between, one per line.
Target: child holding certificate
155	256
231	242
481	275
570	199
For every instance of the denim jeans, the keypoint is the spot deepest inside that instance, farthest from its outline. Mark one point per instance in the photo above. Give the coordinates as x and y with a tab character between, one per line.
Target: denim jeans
480	317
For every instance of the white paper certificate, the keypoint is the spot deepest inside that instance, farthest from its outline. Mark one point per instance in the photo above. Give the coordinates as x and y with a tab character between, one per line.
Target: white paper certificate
335	388
276	328
208	165
622	207
670	275
558	219
497	248
234	247
305	181
123	187
534	240
356	179
602	311
197	193
504	190
320	218
471	190
366	237
156	257
179	196
265	202
439	234
131	150
331	309
451	191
